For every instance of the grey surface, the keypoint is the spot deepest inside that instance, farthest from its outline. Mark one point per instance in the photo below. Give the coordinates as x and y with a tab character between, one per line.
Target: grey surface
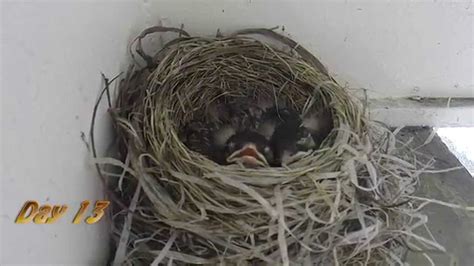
452	228
418	102
417	111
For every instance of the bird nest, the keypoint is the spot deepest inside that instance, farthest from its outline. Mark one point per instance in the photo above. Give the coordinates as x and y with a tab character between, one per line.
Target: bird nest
349	202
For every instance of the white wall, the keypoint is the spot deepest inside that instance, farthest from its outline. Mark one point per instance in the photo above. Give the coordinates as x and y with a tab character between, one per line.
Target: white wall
53	52
52	56
392	48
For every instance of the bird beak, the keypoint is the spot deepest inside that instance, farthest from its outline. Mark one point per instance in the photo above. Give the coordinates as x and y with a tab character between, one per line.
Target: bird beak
248	156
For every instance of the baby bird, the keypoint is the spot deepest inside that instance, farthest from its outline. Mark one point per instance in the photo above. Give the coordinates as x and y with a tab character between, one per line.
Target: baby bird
256	134
282	129
236	141
319	123
249	148
288	133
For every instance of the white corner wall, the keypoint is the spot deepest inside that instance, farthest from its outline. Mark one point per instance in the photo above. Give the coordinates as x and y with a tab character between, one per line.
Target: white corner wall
52	57
53	52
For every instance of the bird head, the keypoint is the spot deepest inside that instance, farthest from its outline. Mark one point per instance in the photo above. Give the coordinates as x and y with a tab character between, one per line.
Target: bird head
249	148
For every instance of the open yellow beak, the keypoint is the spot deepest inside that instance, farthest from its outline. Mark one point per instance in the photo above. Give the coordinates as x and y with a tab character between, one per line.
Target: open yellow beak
248	156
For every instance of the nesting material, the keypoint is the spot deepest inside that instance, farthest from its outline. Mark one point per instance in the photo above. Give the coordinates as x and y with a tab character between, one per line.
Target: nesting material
348	203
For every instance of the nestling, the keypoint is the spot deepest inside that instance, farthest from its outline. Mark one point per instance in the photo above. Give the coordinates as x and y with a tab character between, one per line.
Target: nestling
249	148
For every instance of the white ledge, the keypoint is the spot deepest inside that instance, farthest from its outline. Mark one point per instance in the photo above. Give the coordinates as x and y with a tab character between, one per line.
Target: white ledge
416	111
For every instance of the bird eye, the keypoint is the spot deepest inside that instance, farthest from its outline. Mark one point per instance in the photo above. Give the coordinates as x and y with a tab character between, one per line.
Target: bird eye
266	149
